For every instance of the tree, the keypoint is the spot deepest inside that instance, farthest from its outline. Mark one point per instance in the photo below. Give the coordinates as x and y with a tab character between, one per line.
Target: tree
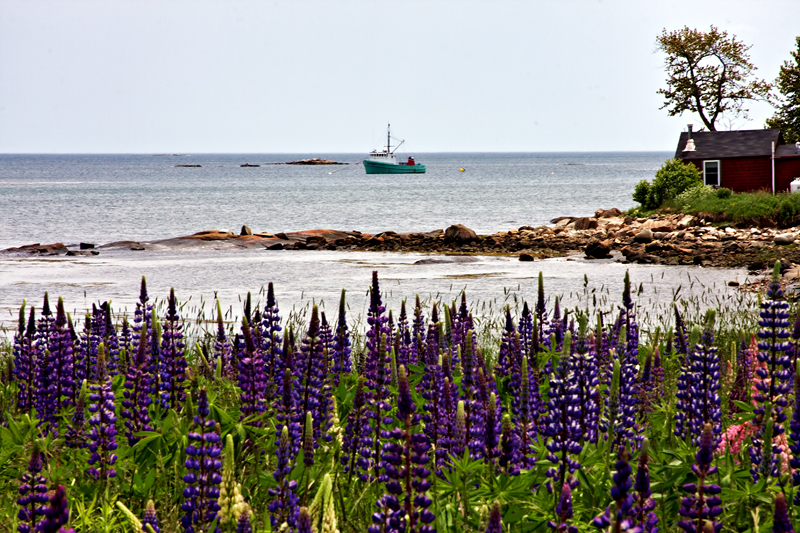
787	116
709	74
673	178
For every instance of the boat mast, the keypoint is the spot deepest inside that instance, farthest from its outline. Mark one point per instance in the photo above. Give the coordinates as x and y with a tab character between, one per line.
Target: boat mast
388	139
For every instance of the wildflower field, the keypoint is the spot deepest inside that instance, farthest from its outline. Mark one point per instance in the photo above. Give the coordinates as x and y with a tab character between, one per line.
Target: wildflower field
423	419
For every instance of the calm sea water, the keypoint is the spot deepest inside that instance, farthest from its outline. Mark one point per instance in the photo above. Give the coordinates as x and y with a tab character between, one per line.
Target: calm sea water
104	198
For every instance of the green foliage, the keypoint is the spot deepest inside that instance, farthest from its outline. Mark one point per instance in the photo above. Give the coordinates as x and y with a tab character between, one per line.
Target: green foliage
781	209
673	178
723	193
708	73
787	114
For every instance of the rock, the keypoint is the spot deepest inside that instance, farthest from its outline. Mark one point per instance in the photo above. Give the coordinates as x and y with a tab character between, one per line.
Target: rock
654	246
664	226
784	239
82	253
460	234
246	231
137	248
733	284
447	259
276	246
585	223
525	257
756	266
645	236
688	221
563	222
599	249
659	235
87	246
282	236
628	221
607	213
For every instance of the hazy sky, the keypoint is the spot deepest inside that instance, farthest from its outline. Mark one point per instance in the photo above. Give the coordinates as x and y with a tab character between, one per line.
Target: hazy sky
324	76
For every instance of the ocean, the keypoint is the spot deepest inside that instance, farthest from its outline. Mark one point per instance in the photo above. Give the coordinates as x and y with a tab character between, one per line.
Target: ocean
106	198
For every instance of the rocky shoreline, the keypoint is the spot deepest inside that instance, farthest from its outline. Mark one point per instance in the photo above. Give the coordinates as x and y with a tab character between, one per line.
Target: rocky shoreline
660	239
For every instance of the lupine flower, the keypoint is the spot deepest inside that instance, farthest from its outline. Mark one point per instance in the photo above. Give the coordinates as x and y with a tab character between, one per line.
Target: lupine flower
563	512
742	380
25	366
56	514
243	525
703	503
102	437
173	359
584	372
780	521
418	335
202	464
541	311
312	374
322	509
222	346
705	382
560	425
273	349
231	502
620	416
32	494
252	381
139	385
304	521
405	457
680	342
510	455
794	435
495	524
644	506
772	386
308	441
402	341
150	517
505	357
143	318
356	445
341	359
283	509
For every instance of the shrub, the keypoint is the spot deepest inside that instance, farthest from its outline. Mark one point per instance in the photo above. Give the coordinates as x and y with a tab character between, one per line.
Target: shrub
723	193
673	178
695	196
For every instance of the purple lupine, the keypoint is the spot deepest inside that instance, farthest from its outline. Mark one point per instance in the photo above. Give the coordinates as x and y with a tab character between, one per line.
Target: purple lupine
273	344
341	359
704	384
379	376
173	358
60	349
102	437
283	508
623	428
32	494
491	429
26	366
243	524
529	342
541	312
794	436
56	515
510	455
703	503
584	372
126	338
150	518
505	357
554	338
560	425
356	442
287	414
143	318
46	378
495	524
459	441
418	334
110	339
21	353
644	505
203	466
222	346
525	411
404	507
431	386
773	387
563	512
312	377
309	443
139	385
620	494
252	381
631	326
741	383
780	520
403	338
78	375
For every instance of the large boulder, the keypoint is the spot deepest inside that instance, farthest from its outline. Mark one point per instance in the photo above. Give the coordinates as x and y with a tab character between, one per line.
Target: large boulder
607	213
645	236
246	231
664	226
784	238
460	234
599	249
585	223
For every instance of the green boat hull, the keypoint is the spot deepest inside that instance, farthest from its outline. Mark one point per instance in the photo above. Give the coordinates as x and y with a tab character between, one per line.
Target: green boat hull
379	167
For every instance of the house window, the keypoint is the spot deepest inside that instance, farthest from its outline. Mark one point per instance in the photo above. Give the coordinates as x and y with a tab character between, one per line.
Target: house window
711	173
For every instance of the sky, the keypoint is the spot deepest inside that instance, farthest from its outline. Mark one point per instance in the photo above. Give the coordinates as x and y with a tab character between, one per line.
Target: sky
326	76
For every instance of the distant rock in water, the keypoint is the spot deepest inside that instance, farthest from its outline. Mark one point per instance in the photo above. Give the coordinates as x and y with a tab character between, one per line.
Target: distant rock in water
315	161
189	166
249	165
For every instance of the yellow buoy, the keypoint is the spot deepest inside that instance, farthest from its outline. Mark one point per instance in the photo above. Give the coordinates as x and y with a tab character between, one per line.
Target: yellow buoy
461	170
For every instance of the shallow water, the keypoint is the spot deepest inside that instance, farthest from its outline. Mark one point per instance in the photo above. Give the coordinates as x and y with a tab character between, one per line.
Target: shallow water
303	277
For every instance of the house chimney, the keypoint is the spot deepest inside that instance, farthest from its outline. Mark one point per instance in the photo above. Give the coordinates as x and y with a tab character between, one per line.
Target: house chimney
690	143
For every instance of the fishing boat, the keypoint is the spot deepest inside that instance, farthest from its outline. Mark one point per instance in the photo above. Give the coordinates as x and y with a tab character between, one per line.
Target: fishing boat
385	162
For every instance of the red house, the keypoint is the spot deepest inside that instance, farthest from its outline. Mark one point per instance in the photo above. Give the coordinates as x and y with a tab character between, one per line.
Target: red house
747	160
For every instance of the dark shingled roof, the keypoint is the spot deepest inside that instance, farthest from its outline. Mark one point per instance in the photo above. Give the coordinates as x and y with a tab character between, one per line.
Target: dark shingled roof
723	144
787	150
